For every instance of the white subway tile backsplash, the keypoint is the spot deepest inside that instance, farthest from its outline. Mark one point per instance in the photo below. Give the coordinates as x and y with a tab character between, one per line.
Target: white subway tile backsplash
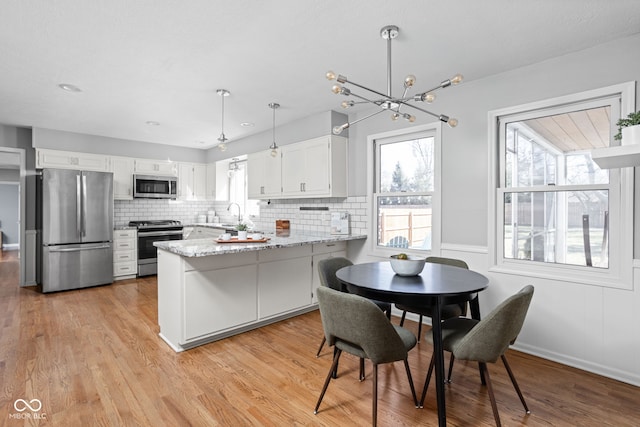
301	221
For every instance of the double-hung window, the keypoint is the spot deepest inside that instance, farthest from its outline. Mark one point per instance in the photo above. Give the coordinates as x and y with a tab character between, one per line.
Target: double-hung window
557	214
406	196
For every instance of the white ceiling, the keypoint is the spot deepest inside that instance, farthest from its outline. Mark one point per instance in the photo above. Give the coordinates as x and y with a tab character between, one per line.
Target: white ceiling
162	60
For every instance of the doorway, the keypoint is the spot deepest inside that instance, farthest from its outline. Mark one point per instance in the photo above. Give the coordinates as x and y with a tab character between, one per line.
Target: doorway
12	216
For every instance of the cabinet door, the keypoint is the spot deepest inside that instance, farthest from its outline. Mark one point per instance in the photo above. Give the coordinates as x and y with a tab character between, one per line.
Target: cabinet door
122	168
294	161
154	167
200	181
210	184
185	181
255	175
71	160
284	286
317	168
264	175
219	299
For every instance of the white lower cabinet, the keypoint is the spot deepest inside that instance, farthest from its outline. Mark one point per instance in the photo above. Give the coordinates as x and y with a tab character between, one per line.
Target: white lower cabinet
203	299
218	300
125	257
284	277
323	251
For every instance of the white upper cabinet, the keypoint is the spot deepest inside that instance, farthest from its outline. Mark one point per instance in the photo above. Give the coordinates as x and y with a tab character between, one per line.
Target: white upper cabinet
46	158
192	181
315	168
210	186
122	168
263	175
154	167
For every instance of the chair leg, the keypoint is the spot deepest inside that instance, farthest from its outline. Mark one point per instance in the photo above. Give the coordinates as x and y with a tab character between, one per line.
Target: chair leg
426	382
451	360
404	314
494	406
361	369
375	395
515	383
388	313
413	389
324	339
333	368
420	328
334	374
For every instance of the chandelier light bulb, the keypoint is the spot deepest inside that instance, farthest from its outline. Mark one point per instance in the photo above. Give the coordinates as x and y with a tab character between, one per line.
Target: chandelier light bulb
428	97
336	89
274	152
222	146
346	104
410	80
457	79
338	129
330	75
452	122
409	117
395	116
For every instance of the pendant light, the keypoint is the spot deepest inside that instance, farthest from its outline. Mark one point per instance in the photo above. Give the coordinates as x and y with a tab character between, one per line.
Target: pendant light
386	101
222	146
274	146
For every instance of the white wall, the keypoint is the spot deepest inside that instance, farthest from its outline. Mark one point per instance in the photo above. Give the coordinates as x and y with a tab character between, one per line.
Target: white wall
591	327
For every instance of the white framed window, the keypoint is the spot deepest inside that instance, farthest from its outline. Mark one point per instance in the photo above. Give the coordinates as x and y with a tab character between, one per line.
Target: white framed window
404	173
555	213
238	189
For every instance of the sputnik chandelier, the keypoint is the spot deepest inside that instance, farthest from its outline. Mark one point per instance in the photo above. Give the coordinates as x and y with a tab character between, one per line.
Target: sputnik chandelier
387	102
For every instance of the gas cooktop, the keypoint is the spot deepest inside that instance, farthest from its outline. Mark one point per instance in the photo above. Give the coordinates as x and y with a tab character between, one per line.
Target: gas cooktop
156	223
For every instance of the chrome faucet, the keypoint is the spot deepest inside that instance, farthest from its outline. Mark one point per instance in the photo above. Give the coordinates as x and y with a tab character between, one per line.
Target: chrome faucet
239	211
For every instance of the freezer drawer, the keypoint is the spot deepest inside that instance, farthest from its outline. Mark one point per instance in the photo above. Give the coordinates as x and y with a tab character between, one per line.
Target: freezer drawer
76	266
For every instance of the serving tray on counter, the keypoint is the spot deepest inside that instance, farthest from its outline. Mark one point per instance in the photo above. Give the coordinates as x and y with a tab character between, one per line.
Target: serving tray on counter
236	240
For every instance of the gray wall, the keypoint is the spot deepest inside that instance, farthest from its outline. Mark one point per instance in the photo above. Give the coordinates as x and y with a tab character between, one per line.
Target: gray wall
311	127
465	148
9	213
19	137
70	141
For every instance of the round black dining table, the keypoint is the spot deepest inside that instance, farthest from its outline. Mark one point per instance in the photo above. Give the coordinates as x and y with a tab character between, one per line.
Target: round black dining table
435	286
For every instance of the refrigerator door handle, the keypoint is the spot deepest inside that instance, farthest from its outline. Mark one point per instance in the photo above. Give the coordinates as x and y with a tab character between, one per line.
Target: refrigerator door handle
84	205
78	206
105	246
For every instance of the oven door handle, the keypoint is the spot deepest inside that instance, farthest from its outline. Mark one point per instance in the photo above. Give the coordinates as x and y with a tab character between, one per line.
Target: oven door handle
158	233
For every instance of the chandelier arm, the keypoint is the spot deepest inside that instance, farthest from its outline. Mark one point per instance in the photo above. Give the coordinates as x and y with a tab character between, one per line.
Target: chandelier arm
363	98
420	109
366	88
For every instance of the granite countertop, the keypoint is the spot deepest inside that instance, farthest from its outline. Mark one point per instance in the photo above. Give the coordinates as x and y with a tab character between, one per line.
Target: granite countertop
124	227
207	247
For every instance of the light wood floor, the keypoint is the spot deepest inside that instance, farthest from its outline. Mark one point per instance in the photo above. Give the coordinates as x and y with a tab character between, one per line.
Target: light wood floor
93	358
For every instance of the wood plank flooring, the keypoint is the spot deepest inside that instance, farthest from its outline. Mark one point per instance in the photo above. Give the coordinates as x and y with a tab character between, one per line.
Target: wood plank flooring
93	358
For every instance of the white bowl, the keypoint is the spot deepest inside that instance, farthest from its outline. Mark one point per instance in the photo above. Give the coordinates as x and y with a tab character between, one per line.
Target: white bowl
407	267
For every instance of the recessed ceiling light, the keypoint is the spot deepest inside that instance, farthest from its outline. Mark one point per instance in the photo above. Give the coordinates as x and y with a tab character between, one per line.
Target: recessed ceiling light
247	125
152	123
69	87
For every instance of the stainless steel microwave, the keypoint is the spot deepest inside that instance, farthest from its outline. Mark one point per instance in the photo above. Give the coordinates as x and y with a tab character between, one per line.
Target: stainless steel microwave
155	187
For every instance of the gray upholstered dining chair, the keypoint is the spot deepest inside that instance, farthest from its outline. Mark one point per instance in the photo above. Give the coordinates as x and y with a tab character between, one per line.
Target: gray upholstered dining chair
327	272
448	310
356	325
486	341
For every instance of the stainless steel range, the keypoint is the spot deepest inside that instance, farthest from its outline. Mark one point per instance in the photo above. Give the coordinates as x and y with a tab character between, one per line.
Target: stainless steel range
149	232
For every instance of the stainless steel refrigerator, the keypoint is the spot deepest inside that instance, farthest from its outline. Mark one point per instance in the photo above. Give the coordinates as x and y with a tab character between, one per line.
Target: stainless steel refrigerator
75	216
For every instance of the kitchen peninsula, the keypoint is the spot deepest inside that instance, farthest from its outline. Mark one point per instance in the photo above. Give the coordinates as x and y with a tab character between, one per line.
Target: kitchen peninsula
209	290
